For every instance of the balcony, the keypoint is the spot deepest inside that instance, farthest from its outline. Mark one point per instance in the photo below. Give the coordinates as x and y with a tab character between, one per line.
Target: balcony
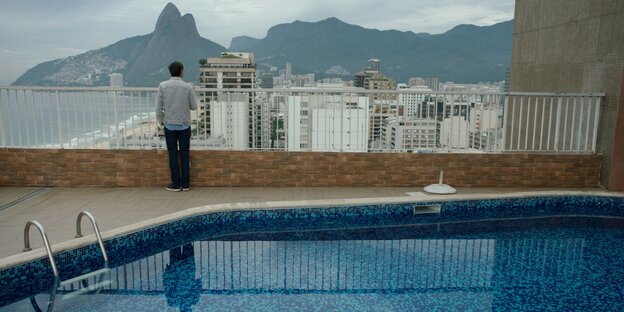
546	138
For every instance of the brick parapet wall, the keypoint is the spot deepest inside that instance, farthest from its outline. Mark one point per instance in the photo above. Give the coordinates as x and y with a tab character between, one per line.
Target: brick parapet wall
148	168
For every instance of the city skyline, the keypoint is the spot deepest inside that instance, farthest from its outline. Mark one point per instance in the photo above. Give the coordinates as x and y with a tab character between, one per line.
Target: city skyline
67	28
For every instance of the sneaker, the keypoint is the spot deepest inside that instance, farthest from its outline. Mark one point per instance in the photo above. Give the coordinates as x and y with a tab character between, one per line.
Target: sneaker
186	188
173	188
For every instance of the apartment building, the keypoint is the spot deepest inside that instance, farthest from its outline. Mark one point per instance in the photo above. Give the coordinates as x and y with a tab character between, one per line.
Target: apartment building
233	70
409	134
325	122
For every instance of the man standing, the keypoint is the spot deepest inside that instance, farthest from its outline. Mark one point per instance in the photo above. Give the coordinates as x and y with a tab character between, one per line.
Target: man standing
174	102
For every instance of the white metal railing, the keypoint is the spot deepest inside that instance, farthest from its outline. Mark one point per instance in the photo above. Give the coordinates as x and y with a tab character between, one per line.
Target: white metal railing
544	122
306	119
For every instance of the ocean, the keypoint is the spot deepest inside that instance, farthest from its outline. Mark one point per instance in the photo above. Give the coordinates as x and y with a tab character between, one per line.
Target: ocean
72	118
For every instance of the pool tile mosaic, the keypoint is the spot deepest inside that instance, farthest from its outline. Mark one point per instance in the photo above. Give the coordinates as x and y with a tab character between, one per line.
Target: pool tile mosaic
36	276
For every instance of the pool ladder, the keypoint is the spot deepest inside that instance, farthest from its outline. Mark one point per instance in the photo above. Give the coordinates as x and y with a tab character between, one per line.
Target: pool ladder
83	278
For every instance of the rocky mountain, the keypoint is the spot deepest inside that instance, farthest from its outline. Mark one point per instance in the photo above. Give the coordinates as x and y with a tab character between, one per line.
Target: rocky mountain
329	47
242	43
466	53
143	60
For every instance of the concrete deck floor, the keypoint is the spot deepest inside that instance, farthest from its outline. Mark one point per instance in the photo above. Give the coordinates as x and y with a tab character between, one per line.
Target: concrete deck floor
57	208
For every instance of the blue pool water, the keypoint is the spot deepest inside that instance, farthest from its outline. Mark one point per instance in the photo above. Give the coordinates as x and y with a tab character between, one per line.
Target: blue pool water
558	254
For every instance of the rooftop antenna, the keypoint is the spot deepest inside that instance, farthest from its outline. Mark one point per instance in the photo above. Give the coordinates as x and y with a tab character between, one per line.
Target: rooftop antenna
440	188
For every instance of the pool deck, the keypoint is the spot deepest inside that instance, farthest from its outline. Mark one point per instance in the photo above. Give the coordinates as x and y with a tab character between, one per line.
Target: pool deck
114	208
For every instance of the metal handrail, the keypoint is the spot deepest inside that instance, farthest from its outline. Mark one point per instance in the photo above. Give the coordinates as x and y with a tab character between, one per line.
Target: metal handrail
46	243
95	228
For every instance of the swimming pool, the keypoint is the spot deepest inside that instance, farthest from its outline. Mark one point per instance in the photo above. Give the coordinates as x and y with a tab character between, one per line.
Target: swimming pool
535	253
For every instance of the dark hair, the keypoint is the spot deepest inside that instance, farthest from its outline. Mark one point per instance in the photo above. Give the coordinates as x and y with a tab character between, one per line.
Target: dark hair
175	69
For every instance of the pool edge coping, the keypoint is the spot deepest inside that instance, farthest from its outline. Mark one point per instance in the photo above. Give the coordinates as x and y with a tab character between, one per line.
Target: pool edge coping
24	257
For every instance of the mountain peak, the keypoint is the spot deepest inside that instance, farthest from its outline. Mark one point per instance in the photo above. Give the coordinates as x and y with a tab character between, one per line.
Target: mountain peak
169	15
142	59
187	22
170	21
332	20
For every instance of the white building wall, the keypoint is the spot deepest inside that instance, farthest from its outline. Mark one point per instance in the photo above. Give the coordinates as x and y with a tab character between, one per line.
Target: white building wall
454	132
220	80
411	101
230	120
484	119
294	123
409	134
336	130
328	123
265	119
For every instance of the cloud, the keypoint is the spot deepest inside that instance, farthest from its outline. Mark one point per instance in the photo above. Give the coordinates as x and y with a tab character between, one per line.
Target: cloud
221	20
8	51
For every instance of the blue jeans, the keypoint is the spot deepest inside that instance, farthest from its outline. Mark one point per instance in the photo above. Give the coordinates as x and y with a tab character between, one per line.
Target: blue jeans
178	144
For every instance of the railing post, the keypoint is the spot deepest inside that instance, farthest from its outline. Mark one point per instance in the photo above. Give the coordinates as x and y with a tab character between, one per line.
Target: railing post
9	119
586	100
503	121
520	123
558	123
542	123
342	129
115	111
450	142
596	120
579	126
528	119
550	117
513	121
536	108
25	122
2	130
59	119
34	122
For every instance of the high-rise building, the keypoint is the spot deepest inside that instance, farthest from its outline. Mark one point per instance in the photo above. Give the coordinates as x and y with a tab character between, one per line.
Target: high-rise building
507	83
413	102
288	72
416	81
454	132
321	122
409	134
232	70
379	81
484	127
374	64
433	83
361	78
267	81
304	80
382	105
278	81
230	114
380	110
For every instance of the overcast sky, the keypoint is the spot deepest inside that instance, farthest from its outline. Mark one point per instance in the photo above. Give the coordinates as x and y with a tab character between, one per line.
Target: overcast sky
35	31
